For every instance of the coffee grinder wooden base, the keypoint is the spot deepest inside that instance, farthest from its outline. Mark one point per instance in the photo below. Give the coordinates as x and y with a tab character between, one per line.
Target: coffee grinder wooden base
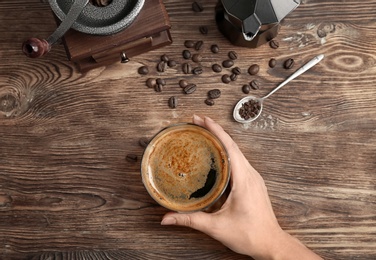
149	31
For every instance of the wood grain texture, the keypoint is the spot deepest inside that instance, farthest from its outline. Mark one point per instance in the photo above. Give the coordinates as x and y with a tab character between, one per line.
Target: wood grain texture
67	192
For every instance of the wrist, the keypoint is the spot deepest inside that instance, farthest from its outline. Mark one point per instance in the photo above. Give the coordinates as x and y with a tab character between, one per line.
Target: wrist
288	247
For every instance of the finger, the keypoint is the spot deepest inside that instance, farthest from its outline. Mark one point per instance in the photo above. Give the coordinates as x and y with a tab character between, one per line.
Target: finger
198	220
198	120
232	148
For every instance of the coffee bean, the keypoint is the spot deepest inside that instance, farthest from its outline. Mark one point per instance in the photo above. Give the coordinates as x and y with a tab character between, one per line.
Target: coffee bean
246	89
161	66
190	88
203	30
236	71
143	70
150	82
289	63
161	82
131	158
158	88
272	63
232	55
214	93
189	44
143	142
199	45
197	70
164	58
214	48
183	83
209	102
255	85
233	77
253	69
228	63
197	7
173	102
217	68
186	68
226	78
250	109
187	54
171	63
196	57
274	44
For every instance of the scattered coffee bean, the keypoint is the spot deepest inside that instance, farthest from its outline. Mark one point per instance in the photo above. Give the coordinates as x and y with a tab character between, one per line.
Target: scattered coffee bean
187	54
209	102
158	88
173	102
197	7
272	63
197	70
161	82
199	45
246	88
131	158
253	69
255	85
171	63
183	83
214	93
189	44
161	66
150	82
274	44
226	78
214	48
190	88
236	71
203	30
186	68
289	63
250	109
143	70
232	55
164	58
228	63
196	57
143	142
217	68
233	77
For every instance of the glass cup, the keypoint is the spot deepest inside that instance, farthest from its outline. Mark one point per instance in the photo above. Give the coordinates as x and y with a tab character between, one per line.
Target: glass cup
185	168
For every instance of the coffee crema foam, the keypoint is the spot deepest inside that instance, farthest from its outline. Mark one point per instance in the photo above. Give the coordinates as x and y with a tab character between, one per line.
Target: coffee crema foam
185	168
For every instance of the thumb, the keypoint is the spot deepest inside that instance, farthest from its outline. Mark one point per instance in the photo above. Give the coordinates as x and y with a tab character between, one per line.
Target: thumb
197	220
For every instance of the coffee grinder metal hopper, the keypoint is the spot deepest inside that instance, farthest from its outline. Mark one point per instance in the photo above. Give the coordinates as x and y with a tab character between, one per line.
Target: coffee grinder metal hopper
251	23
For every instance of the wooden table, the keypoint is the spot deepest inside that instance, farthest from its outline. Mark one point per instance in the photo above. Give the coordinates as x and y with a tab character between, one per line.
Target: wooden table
67	191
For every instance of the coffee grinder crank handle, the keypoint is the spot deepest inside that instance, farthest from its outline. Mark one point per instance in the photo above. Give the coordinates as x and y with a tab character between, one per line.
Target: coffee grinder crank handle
35	48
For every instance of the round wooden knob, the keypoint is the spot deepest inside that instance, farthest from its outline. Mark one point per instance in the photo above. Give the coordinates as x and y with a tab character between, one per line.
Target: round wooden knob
35	48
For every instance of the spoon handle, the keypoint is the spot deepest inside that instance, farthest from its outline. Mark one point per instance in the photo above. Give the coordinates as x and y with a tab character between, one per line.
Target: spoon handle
300	71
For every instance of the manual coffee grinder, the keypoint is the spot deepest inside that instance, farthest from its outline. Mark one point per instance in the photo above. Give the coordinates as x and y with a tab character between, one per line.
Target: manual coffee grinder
251	23
101	32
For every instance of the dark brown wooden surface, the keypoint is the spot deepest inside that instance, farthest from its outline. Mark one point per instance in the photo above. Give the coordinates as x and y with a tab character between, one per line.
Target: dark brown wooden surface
67	192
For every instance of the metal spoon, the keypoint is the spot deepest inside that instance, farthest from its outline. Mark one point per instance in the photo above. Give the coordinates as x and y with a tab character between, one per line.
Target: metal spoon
257	103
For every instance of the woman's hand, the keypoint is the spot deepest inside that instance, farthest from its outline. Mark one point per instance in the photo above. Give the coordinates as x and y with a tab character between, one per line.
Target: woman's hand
246	222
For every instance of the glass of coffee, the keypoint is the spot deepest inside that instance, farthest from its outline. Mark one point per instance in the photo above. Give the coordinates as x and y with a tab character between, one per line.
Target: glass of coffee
185	168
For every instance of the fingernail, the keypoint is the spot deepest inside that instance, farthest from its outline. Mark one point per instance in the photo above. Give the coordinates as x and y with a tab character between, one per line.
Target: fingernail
197	119
168	221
